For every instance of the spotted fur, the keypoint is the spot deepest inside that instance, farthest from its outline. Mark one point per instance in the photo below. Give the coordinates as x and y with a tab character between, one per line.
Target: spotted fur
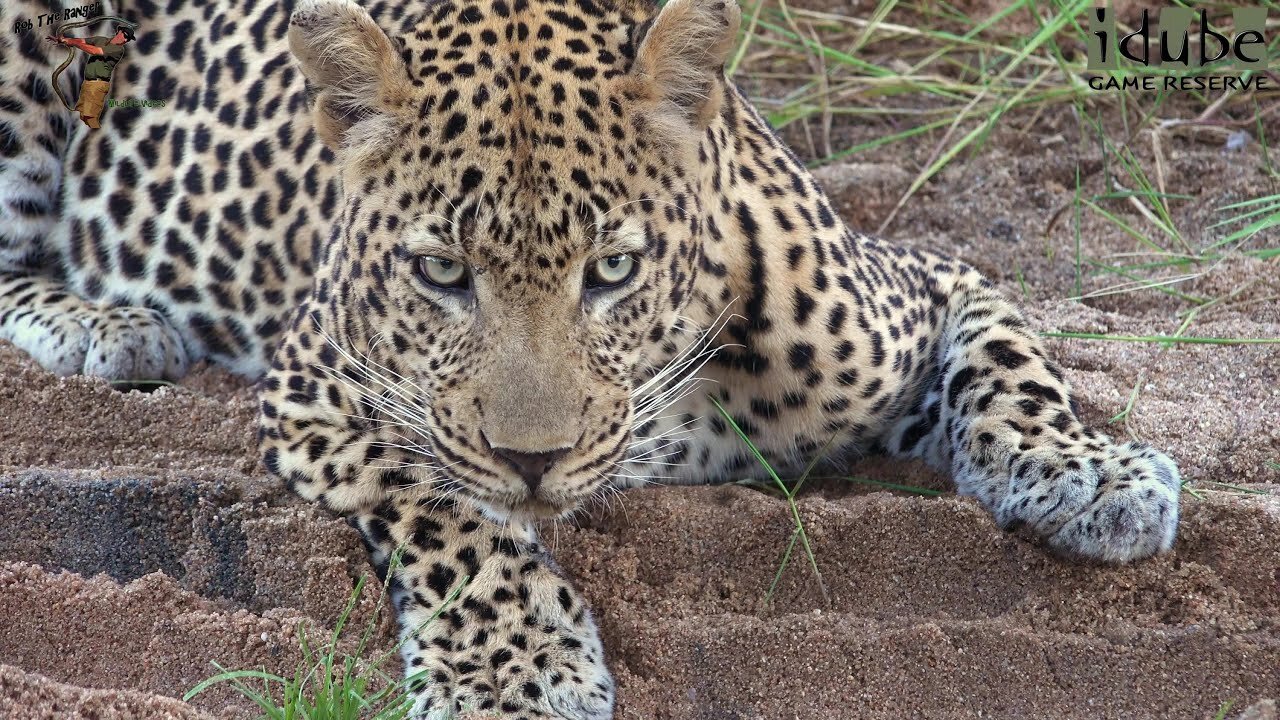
281	214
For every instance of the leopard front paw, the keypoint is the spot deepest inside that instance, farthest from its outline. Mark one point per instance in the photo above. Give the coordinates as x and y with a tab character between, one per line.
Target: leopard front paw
70	337
1114	505
522	673
518	642
132	343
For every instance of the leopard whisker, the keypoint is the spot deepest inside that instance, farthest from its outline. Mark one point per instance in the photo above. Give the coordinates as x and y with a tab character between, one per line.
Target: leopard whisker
404	414
680	428
603	495
653	455
372	370
679	378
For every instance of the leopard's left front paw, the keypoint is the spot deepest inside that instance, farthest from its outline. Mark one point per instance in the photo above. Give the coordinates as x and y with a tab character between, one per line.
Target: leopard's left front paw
1116	505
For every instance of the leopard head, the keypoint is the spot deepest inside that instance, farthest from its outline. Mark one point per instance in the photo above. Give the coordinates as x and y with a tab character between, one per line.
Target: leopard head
522	226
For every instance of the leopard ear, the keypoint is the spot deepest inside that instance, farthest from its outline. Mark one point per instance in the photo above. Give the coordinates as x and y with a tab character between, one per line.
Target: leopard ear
361	82
681	58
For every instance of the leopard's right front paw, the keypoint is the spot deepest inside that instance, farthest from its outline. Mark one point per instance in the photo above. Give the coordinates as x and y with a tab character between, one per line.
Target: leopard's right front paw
518	642
133	343
524	672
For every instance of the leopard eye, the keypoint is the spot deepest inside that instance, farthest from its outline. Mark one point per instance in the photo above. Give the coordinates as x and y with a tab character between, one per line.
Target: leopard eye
611	271
443	273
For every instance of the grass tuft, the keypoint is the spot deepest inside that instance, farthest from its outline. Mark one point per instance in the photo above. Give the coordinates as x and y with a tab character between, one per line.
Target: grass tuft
329	684
923	74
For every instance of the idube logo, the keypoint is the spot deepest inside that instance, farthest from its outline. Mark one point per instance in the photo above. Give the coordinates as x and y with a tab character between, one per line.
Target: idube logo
1183	40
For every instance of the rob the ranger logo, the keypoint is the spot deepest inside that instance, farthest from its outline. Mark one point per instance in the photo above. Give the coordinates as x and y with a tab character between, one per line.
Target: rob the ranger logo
1184	40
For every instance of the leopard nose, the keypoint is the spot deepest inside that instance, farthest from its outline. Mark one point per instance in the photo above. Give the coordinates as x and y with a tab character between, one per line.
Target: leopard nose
531	466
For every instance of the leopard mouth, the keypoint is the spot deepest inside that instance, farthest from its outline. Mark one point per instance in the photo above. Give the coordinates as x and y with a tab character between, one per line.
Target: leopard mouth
538	508
532	507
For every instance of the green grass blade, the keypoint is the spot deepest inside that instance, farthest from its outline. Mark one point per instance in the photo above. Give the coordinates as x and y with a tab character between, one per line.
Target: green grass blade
782	566
1163	339
228	676
791	501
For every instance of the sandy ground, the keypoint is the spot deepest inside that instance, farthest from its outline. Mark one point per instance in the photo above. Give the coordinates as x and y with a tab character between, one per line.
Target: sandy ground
140	542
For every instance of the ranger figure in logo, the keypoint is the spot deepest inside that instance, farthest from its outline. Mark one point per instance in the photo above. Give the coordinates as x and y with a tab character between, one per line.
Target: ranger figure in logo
105	53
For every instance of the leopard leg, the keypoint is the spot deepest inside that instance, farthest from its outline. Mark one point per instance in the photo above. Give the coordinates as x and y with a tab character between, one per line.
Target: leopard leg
38	312
999	418
516	639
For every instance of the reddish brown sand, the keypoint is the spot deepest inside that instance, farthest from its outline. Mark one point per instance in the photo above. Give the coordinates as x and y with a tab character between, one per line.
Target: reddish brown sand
139	541
169	552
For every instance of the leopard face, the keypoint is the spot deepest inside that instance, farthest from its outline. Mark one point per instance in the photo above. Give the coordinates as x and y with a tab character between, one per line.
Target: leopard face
521	226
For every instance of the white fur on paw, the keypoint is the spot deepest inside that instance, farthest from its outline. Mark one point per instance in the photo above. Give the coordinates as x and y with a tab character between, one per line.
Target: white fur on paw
56	341
1115	506
132	343
1135	513
581	689
127	343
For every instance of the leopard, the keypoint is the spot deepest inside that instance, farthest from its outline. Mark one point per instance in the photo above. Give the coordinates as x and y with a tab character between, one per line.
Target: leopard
491	260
